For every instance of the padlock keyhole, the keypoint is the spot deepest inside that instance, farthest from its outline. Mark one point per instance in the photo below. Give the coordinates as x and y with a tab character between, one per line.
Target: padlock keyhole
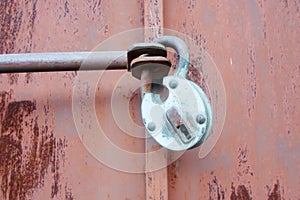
179	127
184	130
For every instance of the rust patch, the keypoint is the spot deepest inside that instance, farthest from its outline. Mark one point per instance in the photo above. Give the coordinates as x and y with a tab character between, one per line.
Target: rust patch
68	194
66	8
196	76
191	5
240	194
10	19
275	194
27	150
56	162
28	77
134	104
3	98
96	7
172	174
31	8
14	116
142	12
243	167
216	190
12	14
153	19
251	81
13	78
198	38
195	68
242	156
244	170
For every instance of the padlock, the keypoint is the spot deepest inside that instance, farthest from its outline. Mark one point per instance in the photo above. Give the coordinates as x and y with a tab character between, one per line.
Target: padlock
184	120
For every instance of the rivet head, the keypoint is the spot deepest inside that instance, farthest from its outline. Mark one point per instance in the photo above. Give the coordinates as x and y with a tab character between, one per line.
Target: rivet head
173	84
151	126
200	119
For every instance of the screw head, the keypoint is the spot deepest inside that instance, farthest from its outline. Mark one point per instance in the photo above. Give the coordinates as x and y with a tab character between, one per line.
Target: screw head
200	119
151	126
173	84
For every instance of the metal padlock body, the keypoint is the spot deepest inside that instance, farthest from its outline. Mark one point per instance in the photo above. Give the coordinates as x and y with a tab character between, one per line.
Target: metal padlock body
174	123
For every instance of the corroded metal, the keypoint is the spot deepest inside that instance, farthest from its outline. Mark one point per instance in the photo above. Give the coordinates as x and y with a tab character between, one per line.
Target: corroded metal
62	61
255	50
182	67
258	56
41	156
157	66
141	49
156	181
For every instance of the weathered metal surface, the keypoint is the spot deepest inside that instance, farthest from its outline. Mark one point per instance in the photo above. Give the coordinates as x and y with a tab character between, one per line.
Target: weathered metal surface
41	155
173	124
182	66
255	45
141	49
156	181
62	61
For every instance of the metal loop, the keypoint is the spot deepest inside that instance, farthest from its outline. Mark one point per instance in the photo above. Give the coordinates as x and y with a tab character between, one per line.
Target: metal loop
182	50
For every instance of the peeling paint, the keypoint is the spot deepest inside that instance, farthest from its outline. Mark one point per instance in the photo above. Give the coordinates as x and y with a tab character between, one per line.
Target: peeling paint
216	190
173	174
251	81
195	76
226	33
27	150
241	193
10	19
42	157
15	15
276	193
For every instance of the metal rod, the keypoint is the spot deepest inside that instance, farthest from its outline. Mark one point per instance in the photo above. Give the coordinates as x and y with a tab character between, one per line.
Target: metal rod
63	61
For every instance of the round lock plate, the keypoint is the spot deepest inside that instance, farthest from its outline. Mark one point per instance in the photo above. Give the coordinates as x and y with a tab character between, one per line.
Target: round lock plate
183	120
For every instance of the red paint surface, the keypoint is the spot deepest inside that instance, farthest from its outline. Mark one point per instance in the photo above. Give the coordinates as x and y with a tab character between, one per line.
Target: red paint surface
255	45
41	155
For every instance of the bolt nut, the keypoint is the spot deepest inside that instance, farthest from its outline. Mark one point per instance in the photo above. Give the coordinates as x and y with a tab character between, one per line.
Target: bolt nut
200	119
173	84
151	126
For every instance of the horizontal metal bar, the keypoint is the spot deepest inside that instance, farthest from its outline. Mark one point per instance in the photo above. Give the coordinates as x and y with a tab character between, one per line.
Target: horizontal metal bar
64	61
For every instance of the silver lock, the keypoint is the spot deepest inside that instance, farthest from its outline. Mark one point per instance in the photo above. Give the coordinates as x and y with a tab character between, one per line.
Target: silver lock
183	120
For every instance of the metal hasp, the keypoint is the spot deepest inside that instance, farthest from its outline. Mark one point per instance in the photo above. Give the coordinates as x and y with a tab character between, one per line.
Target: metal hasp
180	118
148	62
176	112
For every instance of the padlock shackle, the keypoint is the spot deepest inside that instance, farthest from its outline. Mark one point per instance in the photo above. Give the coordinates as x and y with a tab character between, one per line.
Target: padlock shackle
182	50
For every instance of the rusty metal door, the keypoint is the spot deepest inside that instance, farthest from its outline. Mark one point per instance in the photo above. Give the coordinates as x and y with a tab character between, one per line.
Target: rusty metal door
253	43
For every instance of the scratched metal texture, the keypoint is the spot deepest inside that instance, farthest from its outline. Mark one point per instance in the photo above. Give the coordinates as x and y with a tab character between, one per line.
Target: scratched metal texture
41	155
255	44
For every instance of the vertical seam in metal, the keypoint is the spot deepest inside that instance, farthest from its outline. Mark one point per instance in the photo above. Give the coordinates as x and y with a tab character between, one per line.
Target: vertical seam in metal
156	181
